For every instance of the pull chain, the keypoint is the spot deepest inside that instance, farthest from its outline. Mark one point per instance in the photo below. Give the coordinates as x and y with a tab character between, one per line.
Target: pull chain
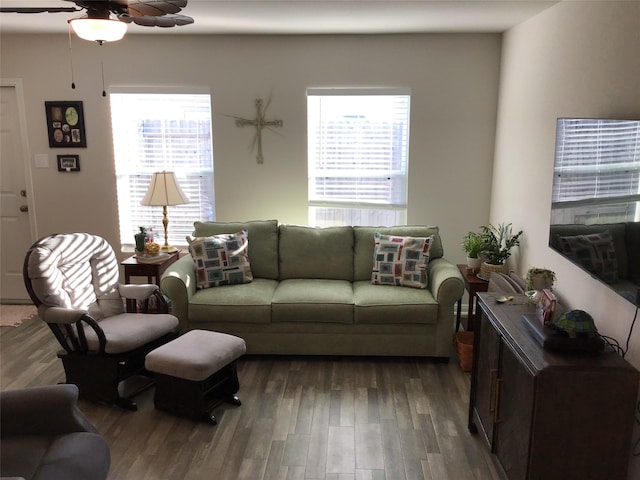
73	83
104	93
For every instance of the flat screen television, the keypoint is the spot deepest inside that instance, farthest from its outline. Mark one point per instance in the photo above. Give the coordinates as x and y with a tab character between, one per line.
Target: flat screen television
595	206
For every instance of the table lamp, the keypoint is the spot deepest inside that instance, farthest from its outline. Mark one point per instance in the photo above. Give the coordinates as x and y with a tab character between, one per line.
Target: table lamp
164	191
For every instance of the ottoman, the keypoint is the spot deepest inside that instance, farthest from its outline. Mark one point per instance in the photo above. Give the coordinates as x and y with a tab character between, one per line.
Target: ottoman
196	372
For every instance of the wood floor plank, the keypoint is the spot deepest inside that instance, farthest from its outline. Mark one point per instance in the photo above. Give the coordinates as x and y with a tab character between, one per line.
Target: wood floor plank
368	443
341	450
274	469
302	418
305	410
296	450
393	462
319	442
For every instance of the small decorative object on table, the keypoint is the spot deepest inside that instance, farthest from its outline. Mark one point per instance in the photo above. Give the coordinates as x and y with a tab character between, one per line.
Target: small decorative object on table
575	323
546	306
141	238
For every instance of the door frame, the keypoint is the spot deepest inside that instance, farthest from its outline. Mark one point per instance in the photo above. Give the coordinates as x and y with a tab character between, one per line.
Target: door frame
16	83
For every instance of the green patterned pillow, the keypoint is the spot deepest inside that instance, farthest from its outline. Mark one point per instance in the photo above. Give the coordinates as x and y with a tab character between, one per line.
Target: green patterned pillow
400	261
221	259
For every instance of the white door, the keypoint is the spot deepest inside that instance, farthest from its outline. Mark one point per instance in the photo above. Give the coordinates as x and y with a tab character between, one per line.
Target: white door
15	221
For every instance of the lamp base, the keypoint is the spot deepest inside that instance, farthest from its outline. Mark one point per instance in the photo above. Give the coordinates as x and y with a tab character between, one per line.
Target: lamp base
168	249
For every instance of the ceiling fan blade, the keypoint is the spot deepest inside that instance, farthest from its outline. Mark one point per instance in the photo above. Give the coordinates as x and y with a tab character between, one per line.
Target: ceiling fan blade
154	8
155	21
38	9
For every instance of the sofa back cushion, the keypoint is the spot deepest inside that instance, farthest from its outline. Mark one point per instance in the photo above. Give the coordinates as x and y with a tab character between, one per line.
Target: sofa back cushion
364	238
309	252
263	242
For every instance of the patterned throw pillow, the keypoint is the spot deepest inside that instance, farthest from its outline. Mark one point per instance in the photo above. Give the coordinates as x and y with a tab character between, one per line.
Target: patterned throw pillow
595	252
221	259
400	261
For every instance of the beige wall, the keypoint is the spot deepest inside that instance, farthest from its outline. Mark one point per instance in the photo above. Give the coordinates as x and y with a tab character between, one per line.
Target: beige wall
453	81
577	59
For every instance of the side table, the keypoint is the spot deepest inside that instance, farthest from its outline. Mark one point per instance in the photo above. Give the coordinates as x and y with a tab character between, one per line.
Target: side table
473	285
134	268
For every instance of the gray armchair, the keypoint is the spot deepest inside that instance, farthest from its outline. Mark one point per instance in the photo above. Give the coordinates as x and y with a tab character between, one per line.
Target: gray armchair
73	279
45	436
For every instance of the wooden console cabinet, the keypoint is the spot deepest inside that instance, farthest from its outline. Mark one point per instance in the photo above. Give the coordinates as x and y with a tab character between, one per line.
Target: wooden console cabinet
547	415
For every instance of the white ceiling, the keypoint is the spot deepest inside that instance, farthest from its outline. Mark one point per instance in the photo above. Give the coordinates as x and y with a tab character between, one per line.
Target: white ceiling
308	16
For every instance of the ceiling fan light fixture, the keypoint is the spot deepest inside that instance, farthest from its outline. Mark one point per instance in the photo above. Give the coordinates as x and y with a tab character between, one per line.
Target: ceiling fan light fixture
99	29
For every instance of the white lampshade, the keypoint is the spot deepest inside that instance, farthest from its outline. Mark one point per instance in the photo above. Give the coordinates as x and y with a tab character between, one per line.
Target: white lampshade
164	190
99	29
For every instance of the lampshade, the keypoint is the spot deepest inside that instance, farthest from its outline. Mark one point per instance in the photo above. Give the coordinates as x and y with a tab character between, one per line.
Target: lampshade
164	190
99	29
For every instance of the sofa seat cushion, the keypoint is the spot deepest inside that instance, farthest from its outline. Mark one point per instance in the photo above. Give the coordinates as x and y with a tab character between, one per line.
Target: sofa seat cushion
248	302
313	300
77	455
384	304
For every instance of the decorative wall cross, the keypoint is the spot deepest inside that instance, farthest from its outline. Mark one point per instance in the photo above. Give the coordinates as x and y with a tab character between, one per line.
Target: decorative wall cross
259	122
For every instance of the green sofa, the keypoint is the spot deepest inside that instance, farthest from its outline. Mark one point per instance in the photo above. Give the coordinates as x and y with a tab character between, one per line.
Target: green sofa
312	294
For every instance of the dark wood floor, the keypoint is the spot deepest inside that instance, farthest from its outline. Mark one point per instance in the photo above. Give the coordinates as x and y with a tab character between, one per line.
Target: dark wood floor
301	418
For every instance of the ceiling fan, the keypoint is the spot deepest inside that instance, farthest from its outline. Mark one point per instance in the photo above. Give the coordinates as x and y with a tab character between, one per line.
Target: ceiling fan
98	25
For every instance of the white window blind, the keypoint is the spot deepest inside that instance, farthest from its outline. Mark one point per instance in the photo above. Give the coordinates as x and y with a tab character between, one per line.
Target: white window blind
153	132
358	155
596	172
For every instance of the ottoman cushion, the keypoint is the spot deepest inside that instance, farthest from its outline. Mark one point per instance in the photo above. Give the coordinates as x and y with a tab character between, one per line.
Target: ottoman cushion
195	355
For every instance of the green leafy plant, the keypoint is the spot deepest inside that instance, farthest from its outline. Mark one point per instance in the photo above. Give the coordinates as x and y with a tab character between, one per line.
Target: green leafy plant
498	242
473	244
548	277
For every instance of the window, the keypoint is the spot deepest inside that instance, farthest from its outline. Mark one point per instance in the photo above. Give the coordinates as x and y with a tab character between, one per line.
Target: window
154	132
358	142
597	171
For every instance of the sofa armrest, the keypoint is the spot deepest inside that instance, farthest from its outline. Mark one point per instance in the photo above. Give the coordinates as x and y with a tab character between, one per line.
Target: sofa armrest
445	281
179	284
47	410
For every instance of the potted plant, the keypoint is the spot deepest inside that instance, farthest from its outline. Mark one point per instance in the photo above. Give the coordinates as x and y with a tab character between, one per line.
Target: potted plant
540	278
498	240
472	244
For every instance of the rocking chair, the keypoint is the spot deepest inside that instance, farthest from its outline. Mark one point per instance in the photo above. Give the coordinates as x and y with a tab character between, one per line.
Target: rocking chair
73	280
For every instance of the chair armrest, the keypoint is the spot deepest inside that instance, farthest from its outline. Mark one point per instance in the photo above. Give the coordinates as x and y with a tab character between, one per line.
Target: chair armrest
60	314
137	292
179	284
47	410
445	281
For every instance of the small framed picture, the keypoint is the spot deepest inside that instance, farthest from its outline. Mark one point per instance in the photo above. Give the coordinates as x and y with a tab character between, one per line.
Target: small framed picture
65	124
68	163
